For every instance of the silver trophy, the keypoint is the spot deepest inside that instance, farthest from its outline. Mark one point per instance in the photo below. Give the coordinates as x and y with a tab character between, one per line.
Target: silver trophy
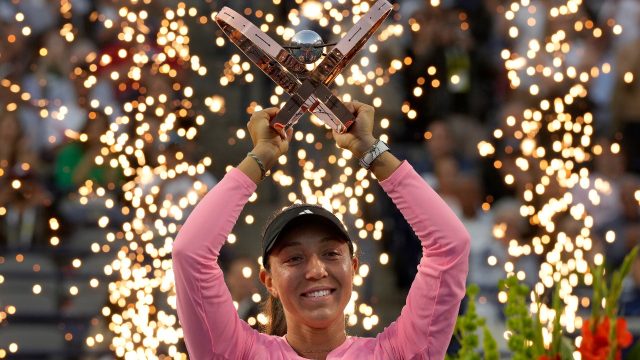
307	46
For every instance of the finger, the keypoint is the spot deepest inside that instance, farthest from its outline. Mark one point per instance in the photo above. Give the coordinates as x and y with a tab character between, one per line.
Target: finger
272	111
356	104
289	133
265	114
349	105
361	108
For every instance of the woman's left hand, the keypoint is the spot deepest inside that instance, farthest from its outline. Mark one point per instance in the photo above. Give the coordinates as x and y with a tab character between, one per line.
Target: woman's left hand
359	138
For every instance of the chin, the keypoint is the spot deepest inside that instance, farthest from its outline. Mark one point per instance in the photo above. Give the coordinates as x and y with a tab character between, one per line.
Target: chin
322	319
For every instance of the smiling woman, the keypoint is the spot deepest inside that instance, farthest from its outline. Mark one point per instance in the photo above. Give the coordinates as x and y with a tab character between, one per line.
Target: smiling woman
309	263
308	255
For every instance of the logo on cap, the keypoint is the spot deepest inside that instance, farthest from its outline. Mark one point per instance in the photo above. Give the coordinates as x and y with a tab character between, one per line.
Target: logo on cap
306	211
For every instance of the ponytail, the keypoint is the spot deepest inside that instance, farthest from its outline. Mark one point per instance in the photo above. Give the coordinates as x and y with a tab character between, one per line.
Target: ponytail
276	322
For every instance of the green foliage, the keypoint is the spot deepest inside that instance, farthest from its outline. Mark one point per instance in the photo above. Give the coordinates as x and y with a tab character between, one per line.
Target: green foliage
611	307
611	295
558	308
634	352
489	344
466	332
566	348
524	337
526	340
599	291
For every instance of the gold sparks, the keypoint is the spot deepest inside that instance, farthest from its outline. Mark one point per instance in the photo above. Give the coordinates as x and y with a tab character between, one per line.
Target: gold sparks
152	68
547	173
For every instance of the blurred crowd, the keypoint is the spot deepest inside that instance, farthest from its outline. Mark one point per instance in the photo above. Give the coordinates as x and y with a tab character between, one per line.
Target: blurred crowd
474	101
50	146
64	83
53	138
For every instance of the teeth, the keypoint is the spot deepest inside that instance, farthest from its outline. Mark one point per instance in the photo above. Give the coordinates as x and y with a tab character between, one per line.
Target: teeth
318	293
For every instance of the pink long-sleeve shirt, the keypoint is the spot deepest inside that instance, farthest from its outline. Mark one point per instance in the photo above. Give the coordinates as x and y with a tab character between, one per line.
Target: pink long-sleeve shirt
213	330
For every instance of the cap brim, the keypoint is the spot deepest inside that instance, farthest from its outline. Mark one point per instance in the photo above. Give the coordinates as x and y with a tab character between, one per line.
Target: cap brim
290	217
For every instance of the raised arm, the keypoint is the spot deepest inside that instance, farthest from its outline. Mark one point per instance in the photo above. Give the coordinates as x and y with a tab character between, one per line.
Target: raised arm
426	323
209	320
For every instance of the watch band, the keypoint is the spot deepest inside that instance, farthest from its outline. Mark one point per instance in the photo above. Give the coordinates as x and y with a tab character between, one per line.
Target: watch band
376	150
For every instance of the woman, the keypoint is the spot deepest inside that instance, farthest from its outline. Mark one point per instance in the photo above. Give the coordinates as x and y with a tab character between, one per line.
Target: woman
308	269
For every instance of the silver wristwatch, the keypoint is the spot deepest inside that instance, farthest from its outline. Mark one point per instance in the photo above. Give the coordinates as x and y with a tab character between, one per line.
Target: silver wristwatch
376	150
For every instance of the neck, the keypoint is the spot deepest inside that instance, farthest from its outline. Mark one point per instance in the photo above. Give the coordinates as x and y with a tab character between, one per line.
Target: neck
314	343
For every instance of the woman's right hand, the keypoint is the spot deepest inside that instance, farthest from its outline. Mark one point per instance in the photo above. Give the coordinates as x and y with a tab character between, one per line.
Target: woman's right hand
268	143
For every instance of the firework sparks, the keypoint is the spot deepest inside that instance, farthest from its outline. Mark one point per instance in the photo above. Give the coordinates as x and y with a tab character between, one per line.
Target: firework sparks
147	67
555	147
159	108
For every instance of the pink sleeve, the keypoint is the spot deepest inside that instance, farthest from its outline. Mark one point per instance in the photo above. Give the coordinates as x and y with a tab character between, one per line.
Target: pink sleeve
425	326
209	320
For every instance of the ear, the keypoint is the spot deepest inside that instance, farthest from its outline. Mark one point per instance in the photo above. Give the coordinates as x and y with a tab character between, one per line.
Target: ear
354	264
267	281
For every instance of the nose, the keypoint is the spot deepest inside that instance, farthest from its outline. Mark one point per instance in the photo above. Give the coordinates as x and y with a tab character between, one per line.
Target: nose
316	268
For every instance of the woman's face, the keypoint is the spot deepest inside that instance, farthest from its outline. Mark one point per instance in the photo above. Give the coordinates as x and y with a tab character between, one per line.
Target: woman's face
311	273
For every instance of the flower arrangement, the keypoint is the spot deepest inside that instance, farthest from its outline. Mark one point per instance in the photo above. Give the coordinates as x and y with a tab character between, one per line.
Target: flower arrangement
600	340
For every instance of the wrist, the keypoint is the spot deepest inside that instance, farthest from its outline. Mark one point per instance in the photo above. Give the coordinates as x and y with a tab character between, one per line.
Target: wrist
374	153
267	153
363	146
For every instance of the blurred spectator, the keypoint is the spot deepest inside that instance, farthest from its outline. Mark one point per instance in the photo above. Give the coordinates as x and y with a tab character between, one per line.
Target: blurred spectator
51	82
480	224
440	42
22	192
447	172
625	104
510	226
630	237
183	185
241	278
76	163
627	14
457	61
75	166
442	143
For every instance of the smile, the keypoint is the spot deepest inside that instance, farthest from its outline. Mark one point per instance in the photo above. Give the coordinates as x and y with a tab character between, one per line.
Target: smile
318	293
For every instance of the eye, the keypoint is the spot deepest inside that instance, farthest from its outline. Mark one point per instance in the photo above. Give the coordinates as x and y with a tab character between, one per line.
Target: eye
333	253
293	259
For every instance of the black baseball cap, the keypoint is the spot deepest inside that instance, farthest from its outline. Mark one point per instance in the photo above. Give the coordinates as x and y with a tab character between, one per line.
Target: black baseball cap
293	214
